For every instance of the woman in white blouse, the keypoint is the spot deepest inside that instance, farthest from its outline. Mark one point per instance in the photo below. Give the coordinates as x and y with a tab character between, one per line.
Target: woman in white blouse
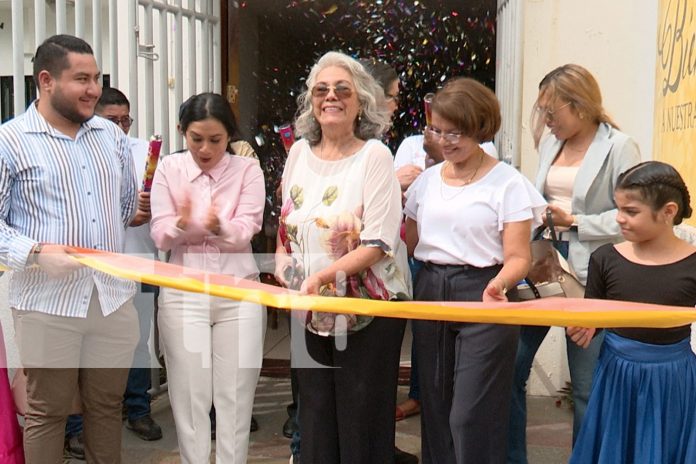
339	235
579	163
469	220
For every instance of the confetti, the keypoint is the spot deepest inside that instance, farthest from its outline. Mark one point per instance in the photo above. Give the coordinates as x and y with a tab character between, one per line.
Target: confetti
426	41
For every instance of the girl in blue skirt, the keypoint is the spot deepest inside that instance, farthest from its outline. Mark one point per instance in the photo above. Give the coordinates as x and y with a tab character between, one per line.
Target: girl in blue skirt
642	407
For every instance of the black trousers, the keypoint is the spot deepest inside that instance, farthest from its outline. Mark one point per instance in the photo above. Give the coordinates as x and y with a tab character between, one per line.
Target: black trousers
465	373
347	410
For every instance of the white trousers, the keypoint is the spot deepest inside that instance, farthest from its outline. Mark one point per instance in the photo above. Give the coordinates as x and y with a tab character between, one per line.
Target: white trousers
213	349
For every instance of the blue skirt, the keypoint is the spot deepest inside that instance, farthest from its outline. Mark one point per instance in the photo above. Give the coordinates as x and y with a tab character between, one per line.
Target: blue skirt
642	406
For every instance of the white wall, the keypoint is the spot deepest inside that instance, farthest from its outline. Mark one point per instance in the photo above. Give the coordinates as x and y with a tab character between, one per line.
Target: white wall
616	40
7	326
30	44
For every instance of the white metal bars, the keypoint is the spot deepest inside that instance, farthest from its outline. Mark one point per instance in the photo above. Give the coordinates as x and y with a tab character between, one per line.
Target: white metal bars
508	78
189	67
18	55
184	35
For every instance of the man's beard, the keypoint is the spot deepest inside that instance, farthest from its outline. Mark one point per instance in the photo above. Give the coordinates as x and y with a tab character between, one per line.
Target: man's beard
67	109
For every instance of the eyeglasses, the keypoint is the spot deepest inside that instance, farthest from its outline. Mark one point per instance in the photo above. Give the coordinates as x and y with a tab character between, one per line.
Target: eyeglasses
550	114
342	92
392	98
125	121
449	137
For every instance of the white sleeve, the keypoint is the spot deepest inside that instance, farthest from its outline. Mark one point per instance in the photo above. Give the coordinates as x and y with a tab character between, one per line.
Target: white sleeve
408	151
382	200
413	195
520	201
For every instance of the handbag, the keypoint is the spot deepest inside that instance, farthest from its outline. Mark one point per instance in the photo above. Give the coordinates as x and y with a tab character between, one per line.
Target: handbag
549	275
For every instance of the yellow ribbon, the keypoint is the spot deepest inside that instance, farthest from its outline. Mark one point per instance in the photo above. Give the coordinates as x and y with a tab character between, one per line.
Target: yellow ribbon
548	311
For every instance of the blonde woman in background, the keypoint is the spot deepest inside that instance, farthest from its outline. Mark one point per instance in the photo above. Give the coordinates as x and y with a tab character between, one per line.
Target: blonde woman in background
579	163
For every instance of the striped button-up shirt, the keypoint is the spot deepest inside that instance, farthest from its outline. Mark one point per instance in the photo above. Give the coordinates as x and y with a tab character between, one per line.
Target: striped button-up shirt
54	189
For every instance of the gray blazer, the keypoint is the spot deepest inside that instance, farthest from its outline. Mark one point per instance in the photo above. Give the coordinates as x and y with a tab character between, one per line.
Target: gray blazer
611	153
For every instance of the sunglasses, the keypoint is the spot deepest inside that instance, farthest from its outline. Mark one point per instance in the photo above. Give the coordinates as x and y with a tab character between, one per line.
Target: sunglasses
342	92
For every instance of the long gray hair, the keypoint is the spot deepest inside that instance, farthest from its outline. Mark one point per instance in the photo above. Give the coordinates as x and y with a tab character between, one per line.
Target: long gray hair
373	118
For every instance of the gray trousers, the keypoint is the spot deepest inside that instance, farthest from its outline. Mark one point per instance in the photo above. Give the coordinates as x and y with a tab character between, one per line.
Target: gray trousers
465	373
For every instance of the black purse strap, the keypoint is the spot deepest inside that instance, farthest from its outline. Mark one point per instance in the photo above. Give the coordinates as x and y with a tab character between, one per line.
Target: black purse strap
552	229
538	233
532	287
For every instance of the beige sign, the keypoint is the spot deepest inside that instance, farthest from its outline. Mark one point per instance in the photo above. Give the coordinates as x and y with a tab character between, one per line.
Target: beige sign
675	90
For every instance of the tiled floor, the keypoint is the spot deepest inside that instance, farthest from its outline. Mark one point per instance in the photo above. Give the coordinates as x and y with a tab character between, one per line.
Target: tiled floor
549	426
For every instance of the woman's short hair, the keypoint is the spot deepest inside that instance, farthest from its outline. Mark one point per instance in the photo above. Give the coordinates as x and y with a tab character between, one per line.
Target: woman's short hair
570	83
657	183
373	118
469	105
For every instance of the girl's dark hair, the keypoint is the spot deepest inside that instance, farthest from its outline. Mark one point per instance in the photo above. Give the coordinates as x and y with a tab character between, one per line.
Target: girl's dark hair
205	106
658	183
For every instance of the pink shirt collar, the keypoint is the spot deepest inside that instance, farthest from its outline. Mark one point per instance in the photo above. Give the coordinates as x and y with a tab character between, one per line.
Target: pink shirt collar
193	170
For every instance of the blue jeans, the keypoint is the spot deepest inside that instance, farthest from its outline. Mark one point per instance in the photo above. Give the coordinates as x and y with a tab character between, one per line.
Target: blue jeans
581	363
136	398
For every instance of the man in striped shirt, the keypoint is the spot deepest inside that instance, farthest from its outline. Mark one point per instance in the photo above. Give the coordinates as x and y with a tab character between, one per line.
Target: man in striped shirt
67	179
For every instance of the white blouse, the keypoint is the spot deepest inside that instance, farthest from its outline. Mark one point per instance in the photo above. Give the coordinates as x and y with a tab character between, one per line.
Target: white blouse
463	225
332	207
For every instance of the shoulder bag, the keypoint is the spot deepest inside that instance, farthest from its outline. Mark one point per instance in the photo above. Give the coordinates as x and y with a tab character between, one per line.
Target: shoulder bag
549	275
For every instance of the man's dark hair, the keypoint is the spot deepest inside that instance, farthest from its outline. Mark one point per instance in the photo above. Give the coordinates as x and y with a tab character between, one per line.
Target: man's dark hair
52	54
112	96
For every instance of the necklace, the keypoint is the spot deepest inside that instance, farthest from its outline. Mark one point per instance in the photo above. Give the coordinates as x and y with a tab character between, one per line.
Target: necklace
466	182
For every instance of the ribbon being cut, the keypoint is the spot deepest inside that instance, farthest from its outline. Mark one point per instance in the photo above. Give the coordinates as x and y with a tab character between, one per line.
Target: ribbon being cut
549	311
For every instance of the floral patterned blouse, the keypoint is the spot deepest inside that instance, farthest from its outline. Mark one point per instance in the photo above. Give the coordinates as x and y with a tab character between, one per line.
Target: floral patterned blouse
332	207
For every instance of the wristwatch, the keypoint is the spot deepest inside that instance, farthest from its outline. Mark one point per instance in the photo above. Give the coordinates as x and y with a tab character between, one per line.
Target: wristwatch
574	225
34	255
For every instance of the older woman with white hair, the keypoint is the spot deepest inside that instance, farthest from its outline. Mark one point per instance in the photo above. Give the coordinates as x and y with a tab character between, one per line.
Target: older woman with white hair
339	235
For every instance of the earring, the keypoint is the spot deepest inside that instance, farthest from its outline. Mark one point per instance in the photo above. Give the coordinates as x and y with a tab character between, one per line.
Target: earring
582	116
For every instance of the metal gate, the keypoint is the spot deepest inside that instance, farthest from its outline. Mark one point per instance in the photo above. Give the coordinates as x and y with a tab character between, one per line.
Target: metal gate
508	78
158	52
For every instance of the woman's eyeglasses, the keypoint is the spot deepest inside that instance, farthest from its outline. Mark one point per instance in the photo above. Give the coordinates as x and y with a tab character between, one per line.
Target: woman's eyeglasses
342	92
449	137
550	114
125	121
392	98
